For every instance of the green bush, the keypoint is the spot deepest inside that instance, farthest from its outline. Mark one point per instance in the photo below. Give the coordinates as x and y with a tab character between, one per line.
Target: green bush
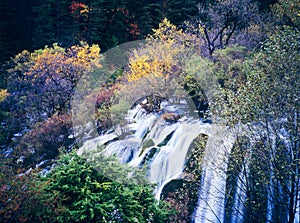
89	196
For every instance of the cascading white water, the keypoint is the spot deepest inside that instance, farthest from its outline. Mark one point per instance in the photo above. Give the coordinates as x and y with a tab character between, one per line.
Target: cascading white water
171	141
211	201
239	200
92	144
170	160
163	145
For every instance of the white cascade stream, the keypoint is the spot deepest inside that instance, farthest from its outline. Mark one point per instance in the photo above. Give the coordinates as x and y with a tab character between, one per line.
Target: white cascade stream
211	197
166	155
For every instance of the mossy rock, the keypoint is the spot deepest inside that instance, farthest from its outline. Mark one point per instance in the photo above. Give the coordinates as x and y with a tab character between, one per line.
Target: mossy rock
170	117
147	144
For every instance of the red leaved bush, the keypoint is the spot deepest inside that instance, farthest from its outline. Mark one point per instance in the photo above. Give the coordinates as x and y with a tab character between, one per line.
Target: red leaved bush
45	139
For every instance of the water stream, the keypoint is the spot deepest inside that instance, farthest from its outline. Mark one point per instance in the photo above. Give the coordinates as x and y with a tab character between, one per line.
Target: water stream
162	145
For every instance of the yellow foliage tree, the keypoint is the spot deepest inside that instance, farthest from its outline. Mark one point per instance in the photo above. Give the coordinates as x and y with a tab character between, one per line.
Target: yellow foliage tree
57	60
160	56
49	76
155	68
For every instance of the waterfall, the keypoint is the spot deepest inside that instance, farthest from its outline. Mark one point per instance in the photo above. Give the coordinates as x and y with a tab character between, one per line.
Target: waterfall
160	144
163	146
170	160
239	199
211	201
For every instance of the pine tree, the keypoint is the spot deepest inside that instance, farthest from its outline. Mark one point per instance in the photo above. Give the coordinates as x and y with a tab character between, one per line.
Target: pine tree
179	10
44	24
89	196
8	27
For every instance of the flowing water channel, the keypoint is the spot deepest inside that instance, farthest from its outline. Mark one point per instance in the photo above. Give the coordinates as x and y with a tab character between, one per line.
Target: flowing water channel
163	145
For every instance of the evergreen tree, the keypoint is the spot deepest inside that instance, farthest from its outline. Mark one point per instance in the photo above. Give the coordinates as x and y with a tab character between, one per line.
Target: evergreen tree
64	23
8	27
89	196
179	10
44	24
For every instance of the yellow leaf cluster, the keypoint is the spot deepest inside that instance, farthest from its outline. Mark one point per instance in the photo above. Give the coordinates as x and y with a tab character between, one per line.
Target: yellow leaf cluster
89	55
160	54
158	61
57	60
3	94
166	31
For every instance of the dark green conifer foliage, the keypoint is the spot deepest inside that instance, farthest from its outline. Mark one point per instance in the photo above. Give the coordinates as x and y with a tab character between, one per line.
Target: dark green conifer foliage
179	10
8	26
43	33
90	196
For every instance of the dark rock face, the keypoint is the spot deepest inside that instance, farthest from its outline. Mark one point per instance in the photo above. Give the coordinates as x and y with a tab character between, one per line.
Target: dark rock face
182	193
197	95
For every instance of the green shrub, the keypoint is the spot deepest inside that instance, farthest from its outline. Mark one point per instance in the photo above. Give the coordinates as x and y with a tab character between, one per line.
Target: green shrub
89	196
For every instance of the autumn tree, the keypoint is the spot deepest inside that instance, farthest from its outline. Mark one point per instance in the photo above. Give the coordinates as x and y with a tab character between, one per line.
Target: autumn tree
43	141
156	65
221	23
42	83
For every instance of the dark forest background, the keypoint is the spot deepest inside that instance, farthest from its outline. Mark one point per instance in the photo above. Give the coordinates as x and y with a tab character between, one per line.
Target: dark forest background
32	24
